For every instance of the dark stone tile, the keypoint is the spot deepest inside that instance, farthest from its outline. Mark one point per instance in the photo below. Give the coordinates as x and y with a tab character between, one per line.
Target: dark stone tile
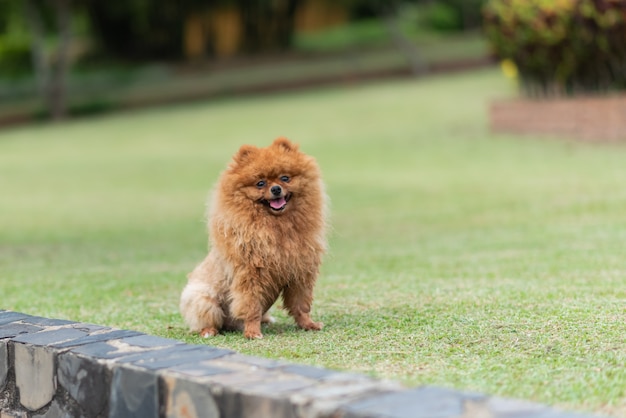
160	353
548	413
10	316
344	391
4	363
173	356
308	371
513	408
86	381
46	322
278	386
99	337
194	358
89	328
425	402
501	407
101	350
347	377
14	329
255	361
150	341
199	370
238	379
50	337
134	393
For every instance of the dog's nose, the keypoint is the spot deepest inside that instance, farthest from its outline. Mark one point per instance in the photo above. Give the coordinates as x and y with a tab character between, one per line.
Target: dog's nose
276	190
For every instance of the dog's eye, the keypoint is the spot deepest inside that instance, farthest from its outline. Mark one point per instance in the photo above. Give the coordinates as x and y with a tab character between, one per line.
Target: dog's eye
285	179
260	184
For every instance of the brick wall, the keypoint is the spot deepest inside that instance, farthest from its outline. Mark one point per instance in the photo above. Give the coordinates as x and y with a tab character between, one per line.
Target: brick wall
56	368
589	118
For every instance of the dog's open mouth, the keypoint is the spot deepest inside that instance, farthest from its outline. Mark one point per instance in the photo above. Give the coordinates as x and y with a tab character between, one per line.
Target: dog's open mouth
278	204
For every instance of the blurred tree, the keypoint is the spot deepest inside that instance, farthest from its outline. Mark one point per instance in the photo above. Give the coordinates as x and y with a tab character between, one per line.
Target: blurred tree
267	25
51	72
454	15
150	29
139	29
389	11
446	15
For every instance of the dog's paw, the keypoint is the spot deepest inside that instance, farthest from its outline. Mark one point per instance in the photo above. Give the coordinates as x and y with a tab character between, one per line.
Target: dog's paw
253	335
208	332
312	326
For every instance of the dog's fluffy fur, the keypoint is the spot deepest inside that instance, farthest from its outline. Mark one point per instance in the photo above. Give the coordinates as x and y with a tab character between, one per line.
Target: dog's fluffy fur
267	238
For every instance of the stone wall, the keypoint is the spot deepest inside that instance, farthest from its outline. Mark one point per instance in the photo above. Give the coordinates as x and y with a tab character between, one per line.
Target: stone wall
589	118
56	368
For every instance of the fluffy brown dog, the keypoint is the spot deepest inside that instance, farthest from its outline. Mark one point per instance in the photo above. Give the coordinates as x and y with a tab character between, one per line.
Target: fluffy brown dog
267	238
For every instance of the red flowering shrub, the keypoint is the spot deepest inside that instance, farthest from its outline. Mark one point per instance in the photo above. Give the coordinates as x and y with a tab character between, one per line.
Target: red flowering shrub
561	47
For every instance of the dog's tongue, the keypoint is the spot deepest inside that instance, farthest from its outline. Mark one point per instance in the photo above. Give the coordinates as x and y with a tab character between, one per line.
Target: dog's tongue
278	203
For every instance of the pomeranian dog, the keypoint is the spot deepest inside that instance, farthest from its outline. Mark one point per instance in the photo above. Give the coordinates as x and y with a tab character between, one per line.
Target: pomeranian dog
267	221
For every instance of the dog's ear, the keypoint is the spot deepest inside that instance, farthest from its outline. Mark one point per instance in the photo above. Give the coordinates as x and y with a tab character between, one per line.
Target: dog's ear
285	144
244	154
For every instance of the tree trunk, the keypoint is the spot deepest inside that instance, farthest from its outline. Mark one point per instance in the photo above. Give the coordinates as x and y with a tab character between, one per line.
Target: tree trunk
268	26
389	13
286	24
37	47
58	86
51	79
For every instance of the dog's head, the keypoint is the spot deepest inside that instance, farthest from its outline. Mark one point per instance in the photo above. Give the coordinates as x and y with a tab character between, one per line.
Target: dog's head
279	178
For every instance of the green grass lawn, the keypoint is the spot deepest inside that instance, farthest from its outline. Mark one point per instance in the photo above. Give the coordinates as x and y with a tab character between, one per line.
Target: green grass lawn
458	258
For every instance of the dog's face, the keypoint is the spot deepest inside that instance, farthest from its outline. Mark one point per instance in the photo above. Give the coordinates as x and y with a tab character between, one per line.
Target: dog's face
275	194
278	179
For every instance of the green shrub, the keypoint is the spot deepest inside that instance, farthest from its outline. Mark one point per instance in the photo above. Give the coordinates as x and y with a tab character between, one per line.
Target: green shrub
561	46
15	57
454	15
443	17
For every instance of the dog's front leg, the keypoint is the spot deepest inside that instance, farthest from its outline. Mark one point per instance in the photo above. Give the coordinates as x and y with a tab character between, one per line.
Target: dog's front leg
246	305
252	322
297	298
